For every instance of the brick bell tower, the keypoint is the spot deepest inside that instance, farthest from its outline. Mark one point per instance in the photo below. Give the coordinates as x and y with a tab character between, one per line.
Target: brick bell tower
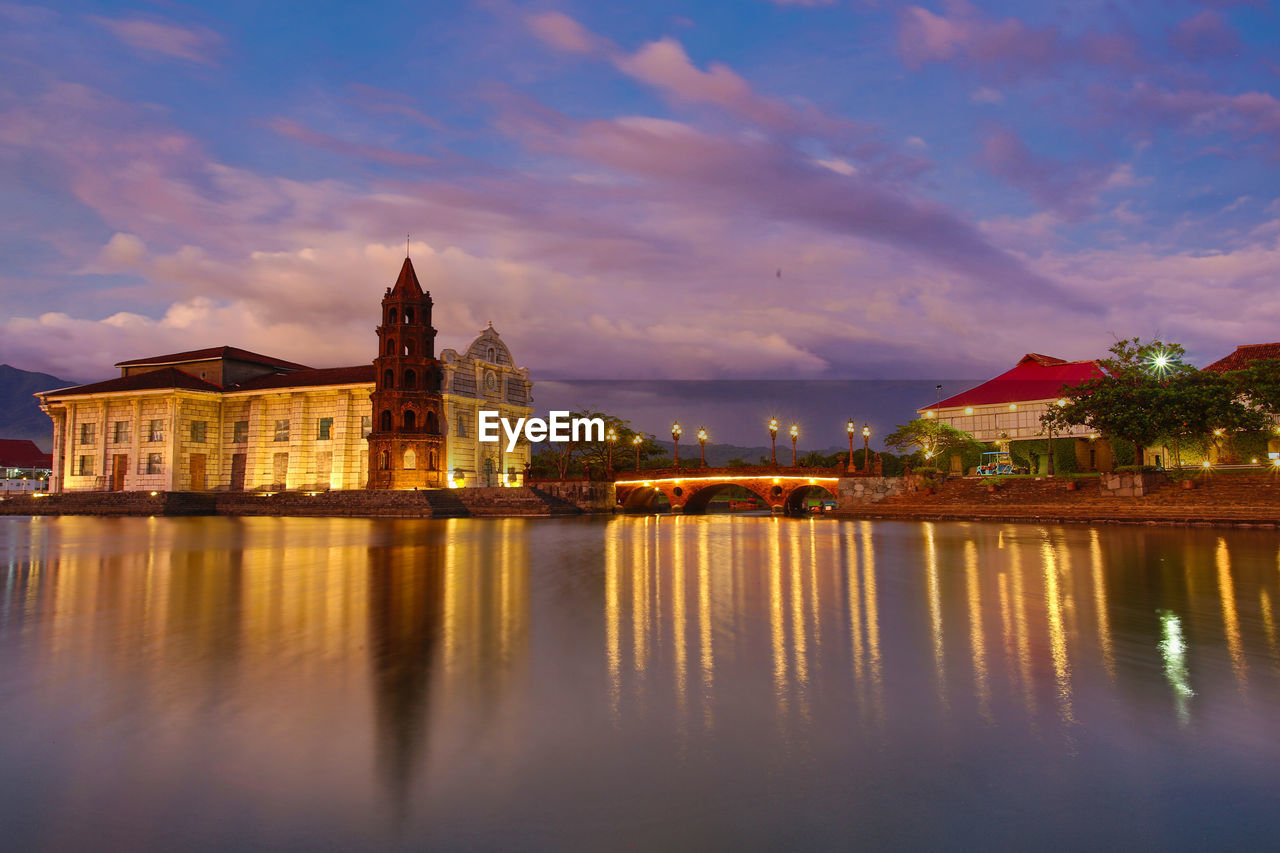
407	445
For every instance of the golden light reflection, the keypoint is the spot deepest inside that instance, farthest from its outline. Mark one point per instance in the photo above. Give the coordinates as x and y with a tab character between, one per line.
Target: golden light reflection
1230	619
777	625
1057	633
1100	603
870	596
977	639
707	652
613	640
935	611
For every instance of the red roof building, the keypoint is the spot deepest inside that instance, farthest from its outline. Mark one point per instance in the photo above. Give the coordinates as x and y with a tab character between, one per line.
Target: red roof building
1244	355
22	453
1009	406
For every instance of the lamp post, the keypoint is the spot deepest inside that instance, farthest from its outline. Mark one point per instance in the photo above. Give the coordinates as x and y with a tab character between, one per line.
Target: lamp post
866	448
773	442
795	433
637	441
852	428
702	445
675	437
612	438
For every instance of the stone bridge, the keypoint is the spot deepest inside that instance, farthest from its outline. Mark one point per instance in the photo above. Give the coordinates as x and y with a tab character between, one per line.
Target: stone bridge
690	490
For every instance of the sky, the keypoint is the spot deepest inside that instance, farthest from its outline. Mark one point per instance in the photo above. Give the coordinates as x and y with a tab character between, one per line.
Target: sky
703	190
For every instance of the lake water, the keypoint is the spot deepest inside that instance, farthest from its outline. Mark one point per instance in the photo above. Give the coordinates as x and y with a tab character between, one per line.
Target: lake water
643	683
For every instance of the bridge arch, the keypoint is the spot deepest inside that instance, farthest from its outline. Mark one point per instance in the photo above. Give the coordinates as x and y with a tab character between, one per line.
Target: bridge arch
644	499
795	501
698	500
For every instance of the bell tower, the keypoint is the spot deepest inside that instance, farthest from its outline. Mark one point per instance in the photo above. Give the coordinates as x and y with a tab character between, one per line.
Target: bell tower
407	445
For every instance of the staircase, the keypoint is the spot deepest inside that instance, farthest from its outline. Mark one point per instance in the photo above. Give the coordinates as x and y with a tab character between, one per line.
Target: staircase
506	502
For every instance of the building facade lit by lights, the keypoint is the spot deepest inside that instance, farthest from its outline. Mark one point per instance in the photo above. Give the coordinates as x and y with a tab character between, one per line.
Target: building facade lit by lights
1009	407
224	418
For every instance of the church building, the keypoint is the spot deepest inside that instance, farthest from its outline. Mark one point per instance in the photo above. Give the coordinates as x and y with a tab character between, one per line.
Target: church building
224	418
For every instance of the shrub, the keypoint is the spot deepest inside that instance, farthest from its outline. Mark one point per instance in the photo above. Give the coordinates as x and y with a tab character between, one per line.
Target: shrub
1135	469
925	470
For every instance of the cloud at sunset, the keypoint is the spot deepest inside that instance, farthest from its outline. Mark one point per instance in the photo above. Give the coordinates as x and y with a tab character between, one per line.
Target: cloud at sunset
637	200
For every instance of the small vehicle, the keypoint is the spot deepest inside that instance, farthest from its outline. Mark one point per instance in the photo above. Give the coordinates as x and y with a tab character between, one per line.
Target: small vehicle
996	462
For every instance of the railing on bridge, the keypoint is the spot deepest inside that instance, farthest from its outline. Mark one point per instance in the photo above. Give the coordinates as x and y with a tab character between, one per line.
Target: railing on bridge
744	471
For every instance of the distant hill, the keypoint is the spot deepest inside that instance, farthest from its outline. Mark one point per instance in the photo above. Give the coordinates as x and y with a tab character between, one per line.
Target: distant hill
20	415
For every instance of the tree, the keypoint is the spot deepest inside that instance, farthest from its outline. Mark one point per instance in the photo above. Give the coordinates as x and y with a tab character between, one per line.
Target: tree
1208	405
1134	400
1259	384
928	437
560	459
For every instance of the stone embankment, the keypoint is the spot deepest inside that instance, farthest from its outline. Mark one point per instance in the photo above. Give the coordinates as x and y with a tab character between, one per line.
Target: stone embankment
444	503
1216	498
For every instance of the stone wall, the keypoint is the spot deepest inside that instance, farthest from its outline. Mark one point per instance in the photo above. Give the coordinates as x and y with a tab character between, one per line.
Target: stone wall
860	491
1132	485
591	496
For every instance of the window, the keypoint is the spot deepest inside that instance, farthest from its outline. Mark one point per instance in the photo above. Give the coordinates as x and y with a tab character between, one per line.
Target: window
386	421
384	460
462	425
282	431
155	463
366	425
410	419
324	429
86	466
410	380
388	379
198	429
240	432
410	460
86	434
120	432
156	431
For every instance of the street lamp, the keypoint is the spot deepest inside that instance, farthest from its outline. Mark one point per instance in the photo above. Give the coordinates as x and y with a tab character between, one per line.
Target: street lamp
795	433
612	438
852	428
702	445
675	437
637	441
866	448
773	442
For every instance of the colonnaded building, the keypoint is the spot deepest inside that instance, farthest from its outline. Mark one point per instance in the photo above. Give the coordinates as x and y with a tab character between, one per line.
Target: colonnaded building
228	419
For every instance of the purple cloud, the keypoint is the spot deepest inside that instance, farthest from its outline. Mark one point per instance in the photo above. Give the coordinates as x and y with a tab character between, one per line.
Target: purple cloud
1205	35
194	44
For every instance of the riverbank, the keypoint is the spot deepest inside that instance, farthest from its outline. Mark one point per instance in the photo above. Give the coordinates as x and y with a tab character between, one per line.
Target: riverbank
1214	499
359	503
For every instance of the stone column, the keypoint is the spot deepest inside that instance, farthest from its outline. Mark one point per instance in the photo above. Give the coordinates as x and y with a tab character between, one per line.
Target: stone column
73	415
253	447
299	442
175	419
345	448
59	417
136	447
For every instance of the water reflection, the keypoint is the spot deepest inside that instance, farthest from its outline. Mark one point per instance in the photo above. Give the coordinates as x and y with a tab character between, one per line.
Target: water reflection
404	676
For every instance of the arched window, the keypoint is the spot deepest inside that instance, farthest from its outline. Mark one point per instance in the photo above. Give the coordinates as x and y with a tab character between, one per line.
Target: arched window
410	379
411	347
391	315
431	460
433	424
388	378
386	421
391	346
410	419
493	355
384	460
408	315
410	460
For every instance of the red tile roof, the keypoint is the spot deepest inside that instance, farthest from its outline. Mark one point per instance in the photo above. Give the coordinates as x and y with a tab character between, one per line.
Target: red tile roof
212	353
21	453
1243	355
359	375
165	378
1035	377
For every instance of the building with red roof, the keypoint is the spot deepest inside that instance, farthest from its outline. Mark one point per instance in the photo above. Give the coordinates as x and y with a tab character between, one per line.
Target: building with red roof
1009	406
1244	356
